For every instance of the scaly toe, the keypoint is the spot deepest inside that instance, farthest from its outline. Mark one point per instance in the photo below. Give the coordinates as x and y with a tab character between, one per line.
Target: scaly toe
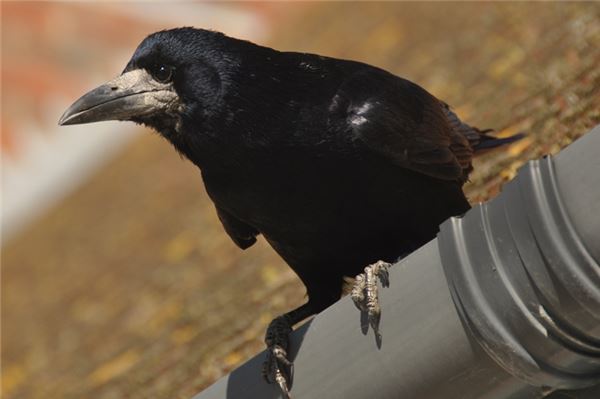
277	368
358	293
365	295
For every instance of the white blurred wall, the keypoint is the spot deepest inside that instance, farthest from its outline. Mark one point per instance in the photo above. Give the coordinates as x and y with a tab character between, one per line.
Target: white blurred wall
46	162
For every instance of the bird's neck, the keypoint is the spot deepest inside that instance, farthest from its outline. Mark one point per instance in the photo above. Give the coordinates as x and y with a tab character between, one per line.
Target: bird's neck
253	118
215	149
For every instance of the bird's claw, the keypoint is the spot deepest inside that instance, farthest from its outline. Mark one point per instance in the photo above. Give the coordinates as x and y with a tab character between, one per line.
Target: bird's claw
277	368
365	294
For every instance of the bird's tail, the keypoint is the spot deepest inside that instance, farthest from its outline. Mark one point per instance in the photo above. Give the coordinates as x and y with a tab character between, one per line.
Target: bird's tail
487	142
479	139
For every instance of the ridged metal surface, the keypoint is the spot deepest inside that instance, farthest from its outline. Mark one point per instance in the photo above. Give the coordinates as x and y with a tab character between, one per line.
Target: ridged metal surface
524	281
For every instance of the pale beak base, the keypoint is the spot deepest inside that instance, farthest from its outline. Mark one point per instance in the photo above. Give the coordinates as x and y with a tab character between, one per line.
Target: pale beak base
133	94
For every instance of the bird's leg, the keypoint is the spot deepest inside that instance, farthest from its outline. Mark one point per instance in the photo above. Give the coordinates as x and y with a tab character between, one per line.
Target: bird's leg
277	367
365	293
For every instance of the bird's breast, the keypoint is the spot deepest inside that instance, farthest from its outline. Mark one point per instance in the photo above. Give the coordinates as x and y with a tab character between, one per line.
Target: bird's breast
289	197
342	209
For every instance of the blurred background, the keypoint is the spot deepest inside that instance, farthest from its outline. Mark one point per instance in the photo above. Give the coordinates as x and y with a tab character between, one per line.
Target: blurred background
117	278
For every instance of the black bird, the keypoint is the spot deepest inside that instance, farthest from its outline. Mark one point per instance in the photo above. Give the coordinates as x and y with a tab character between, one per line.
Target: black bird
338	164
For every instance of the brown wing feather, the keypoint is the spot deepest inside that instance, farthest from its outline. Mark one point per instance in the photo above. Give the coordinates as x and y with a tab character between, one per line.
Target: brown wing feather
404	123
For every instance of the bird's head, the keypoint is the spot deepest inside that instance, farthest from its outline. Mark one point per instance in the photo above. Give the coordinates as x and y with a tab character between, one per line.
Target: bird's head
155	90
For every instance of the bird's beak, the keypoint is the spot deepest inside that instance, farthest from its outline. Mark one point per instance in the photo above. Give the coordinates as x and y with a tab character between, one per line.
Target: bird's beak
133	94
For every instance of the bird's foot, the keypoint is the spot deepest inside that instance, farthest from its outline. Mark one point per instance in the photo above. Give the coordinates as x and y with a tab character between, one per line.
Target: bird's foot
366	298
277	368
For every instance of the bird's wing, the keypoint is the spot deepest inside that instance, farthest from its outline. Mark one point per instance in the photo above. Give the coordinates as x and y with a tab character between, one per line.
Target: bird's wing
241	233
402	122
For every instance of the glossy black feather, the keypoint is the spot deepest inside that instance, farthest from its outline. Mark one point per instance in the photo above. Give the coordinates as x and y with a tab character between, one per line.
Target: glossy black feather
336	163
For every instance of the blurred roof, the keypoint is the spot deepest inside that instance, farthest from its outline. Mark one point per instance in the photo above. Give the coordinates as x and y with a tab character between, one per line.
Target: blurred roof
54	52
130	288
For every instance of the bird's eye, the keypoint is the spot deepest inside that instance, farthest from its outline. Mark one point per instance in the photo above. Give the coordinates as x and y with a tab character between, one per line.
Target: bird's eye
162	73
